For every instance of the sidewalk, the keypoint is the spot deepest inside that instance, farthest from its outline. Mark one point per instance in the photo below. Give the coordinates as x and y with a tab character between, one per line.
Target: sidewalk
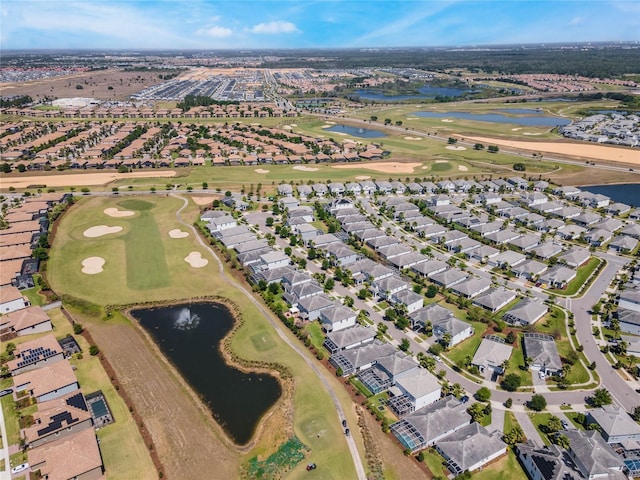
4	451
528	428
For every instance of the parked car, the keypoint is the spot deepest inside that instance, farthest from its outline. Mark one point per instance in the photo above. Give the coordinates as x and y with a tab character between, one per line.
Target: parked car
20	468
565	424
464	399
311	466
5	392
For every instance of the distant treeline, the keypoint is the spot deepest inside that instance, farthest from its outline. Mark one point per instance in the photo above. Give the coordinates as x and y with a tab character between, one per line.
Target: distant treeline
203	101
601	62
14	102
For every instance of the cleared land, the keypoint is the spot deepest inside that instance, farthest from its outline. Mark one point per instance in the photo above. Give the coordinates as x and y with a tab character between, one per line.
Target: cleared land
78	179
188	441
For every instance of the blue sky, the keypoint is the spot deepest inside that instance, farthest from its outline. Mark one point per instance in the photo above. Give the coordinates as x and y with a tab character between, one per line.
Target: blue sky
167	24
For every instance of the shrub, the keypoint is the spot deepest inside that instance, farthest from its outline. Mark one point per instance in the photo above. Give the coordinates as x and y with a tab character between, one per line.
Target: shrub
511	382
537	403
77	328
93	350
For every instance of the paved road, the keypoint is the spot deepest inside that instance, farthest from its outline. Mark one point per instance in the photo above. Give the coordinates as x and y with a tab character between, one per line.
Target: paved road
294	344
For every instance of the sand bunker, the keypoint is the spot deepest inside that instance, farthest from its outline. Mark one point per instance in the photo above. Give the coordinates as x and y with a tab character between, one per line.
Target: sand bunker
92	265
287	127
177	233
462	168
575	149
326	126
195	260
446	120
517	129
261	170
114	212
441	161
384	167
330	122
203	200
100	230
531	133
412	138
293	125
454	147
363	177
302	168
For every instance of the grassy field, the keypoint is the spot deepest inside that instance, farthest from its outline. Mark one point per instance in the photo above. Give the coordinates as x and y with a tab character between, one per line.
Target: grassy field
583	274
505	468
539	421
315	421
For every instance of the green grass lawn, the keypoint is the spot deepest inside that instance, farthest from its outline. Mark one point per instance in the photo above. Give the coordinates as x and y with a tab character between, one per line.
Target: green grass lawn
33	294
506	468
468	347
434	461
539	420
516	361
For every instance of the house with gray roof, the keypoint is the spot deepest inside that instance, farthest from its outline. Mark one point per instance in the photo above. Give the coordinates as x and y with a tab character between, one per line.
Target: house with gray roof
629	321
527	312
630	299
472	287
526	242
322	240
631	230
429	267
485	229
388	286
285	189
623	244
429	314
233	241
381	241
411	300
483	253
348	338
593	457
503	236
304	191
394	250
491	355
431	231
558	276
310	307
470	448
547	250
337	318
428	425
357	359
616	425
419	388
457	329
543	352
374	272
570	232
384	374
251	245
506	259
407	261
298	292
495	299
547	463
530	269
448	278
598	236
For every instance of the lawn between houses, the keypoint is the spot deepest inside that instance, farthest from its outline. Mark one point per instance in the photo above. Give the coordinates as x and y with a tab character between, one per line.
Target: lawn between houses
315	421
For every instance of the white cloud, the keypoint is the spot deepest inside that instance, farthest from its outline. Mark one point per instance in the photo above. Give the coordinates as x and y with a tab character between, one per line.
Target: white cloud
215	31
278	26
577	21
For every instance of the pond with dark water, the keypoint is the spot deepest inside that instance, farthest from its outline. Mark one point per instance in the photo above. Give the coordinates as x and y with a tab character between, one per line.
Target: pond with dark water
190	336
628	193
527	120
356	131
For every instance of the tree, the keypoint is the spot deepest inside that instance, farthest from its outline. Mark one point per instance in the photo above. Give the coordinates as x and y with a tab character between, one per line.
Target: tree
508	402
493	149
554	424
636	414
373	118
364	293
446	340
478	146
600	398
516	435
329	284
21	167
511	382
562	441
404	345
537	403
269	222
476	411
432	291
452	141
93	350
77	328
511	337
483	394
519	167
5	168
348	301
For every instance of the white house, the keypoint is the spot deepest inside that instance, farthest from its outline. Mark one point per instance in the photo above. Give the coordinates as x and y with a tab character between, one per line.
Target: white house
11	299
337	318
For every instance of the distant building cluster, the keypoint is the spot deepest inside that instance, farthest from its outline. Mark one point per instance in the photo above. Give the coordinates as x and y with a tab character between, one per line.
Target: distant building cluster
614	128
16	74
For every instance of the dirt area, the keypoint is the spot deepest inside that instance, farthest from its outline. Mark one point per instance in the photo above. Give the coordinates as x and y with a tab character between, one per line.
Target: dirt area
94	84
184	435
591	176
573	149
77	179
384	167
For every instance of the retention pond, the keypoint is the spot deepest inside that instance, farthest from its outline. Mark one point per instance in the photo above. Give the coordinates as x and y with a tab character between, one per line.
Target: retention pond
190	336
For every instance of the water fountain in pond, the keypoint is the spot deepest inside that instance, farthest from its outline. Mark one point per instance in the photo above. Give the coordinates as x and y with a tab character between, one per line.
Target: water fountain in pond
186	320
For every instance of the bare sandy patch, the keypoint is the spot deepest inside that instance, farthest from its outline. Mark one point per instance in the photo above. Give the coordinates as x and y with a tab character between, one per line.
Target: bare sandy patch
584	150
455	147
203	200
77	179
441	161
517	129
412	138
287	127
330	122
463	168
293	125
177	233
261	170
92	265
195	260
116	213
446	120
363	177
326	126
384	167
302	168
100	230
533	134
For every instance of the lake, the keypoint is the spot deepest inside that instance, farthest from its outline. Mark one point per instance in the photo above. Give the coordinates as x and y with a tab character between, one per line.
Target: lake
527	120
628	193
424	93
356	131
190	336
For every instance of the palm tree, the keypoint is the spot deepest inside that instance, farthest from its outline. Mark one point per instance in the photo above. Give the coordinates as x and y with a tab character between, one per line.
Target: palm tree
457	390
554	424
562	441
